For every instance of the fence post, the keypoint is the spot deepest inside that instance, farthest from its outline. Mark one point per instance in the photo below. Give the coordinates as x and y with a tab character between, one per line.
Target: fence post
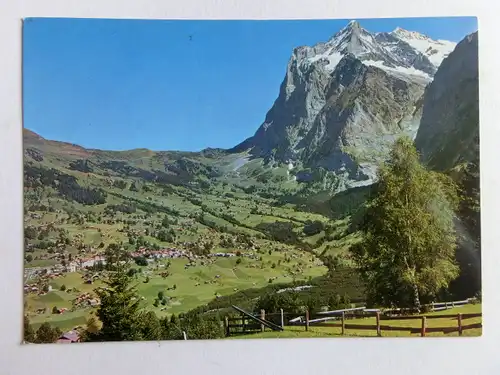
263	317
226	323
379	332
452	304
424	324
307	320
243	323
459	319
282	319
343	323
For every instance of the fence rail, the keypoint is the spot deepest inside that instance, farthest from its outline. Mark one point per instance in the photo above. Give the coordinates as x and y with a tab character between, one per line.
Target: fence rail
440	316
252	323
423	329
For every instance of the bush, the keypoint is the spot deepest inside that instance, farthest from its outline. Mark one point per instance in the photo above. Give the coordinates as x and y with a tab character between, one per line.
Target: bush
313	227
63	288
47	334
141	261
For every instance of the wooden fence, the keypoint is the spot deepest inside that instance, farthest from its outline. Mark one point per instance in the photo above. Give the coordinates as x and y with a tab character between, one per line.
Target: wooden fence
248	323
378	327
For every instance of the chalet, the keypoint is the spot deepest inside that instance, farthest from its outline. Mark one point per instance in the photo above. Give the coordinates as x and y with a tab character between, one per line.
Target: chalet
69	337
90	262
71	267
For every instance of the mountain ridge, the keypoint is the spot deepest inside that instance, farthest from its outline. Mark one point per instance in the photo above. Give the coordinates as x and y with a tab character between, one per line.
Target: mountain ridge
340	106
325	115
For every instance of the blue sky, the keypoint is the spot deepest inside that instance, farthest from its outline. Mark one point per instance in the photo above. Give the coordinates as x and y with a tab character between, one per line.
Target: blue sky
170	85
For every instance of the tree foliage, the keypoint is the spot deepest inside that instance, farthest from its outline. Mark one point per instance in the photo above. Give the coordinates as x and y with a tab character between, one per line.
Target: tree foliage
29	333
408	250
151	329
469	230
66	185
120	304
47	334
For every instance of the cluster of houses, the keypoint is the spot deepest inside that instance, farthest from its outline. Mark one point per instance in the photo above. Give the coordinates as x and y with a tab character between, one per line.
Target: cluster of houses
88	262
224	255
162	253
35	288
86	299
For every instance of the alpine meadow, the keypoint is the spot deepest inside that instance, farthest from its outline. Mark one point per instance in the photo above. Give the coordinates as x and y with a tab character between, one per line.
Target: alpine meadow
156	208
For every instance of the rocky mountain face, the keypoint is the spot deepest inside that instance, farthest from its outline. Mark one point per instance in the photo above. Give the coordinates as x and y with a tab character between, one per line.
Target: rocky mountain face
343	102
448	140
449	130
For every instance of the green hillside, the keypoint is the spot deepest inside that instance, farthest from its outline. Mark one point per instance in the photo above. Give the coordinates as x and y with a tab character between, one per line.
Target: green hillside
79	201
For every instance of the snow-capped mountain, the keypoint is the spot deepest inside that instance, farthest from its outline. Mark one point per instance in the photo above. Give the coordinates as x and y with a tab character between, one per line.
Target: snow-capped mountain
435	50
398	52
344	101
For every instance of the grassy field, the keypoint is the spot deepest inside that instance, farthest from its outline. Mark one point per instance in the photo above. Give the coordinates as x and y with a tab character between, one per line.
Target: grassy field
221	208
194	286
300	332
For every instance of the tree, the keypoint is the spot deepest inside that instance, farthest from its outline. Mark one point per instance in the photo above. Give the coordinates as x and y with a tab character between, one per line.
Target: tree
55	310
29	258
30	233
407	253
116	257
150	326
165	222
313	227
92	325
161	295
47	334
119	309
141	261
469	228
131	272
63	288
164	236
335	302
29	333
170	328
